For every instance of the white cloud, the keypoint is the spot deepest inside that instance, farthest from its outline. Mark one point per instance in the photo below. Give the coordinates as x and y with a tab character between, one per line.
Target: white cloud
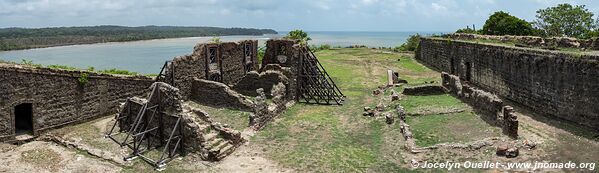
438	7
368	2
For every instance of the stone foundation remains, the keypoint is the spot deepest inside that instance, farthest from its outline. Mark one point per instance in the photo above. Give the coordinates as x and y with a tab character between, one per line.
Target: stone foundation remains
424	90
492	107
549	82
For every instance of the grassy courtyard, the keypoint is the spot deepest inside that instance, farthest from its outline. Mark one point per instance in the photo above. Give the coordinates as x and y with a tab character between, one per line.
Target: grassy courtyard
339	139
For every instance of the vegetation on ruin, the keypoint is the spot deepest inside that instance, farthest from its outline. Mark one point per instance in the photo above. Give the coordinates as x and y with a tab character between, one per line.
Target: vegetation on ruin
30	63
411	44
62	67
83	78
299	35
260	56
215	40
117	71
89	69
468	30
26	38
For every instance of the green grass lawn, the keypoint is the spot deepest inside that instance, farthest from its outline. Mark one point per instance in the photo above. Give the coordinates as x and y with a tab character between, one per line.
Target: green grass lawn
319	138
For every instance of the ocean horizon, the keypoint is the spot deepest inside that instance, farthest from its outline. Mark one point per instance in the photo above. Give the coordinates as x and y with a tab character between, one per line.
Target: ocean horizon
148	56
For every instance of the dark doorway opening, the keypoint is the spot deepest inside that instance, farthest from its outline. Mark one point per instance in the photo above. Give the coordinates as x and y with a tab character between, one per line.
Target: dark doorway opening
468	71
24	118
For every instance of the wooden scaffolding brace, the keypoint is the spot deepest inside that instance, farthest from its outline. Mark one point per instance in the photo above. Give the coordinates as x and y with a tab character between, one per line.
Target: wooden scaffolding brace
144	134
315	85
163	73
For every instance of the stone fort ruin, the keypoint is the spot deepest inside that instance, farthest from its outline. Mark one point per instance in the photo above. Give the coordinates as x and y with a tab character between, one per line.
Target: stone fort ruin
553	83
153	115
155	118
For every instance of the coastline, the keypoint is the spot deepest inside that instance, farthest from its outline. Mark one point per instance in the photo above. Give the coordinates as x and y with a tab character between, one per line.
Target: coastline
108	42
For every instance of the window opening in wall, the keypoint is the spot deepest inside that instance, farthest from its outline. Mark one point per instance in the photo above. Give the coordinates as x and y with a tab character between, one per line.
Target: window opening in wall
212	55
24	118
248	58
248	50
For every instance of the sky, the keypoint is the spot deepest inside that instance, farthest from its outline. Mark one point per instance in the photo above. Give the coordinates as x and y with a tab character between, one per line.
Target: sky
281	15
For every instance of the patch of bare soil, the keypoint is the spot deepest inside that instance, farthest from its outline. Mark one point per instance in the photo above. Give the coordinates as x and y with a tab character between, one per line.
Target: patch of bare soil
89	137
249	158
40	156
431	110
561	144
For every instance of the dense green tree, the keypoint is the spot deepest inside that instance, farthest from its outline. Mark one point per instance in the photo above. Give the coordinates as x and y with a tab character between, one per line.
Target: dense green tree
502	23
566	20
299	35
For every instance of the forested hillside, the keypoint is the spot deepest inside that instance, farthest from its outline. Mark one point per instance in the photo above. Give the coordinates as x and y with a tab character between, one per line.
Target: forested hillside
25	38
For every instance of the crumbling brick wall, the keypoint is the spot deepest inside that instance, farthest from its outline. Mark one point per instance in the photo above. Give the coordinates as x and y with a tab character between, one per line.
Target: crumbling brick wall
549	82
232	61
58	98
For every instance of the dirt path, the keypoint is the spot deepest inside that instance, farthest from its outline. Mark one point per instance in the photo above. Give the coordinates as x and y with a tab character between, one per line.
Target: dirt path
40	156
249	157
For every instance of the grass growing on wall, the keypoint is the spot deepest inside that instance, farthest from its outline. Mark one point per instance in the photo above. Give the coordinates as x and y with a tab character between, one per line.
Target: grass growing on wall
66	67
118	71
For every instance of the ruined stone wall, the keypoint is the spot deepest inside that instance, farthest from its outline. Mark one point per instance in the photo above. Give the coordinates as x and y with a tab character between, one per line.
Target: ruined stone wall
563	42
549	82
252	81
265	112
230	65
58	98
235	66
218	95
195	123
488	105
287	54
